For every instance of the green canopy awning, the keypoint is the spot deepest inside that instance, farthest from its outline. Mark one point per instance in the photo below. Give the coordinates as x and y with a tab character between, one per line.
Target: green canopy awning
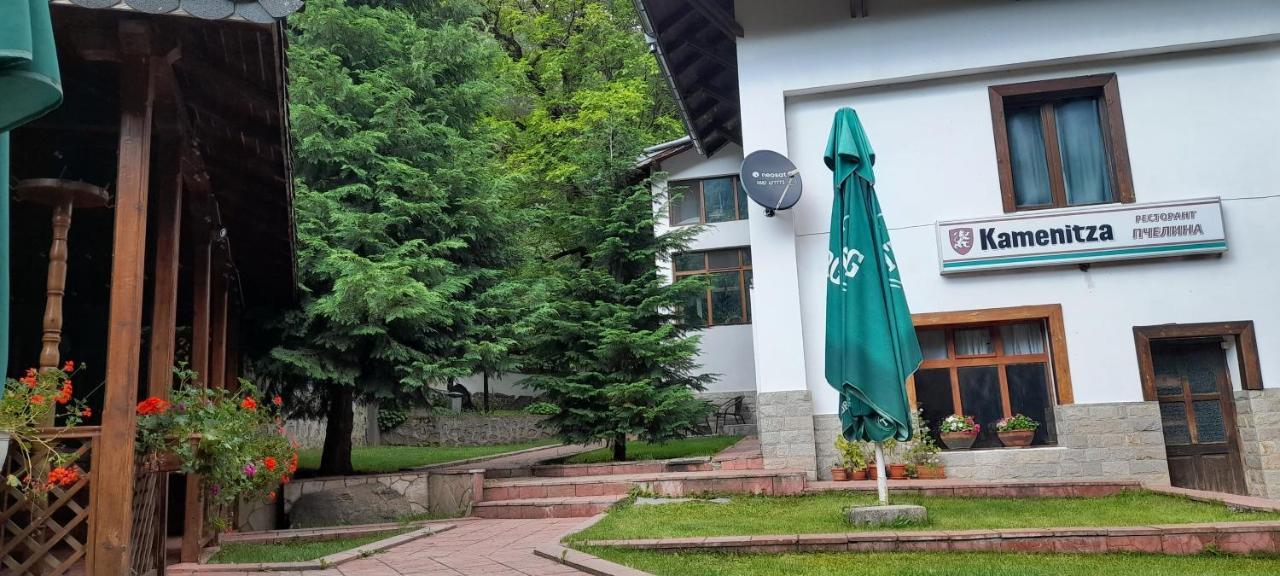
871	345
30	86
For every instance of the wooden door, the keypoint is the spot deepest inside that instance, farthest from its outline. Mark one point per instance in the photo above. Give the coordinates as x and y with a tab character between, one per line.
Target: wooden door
1198	413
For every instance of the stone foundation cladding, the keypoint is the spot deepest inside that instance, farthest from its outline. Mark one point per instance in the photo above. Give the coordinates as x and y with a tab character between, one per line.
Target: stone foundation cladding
1258	417
412	485
467	429
748	400
786	427
1115	440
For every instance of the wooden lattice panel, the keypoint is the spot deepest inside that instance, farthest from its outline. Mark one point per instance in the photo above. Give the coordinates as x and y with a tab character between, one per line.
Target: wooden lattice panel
47	534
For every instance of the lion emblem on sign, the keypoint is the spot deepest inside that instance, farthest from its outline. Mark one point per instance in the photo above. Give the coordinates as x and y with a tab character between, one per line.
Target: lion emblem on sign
961	240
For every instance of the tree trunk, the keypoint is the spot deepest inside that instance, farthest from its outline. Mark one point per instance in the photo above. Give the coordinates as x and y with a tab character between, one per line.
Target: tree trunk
620	447
486	391
335	460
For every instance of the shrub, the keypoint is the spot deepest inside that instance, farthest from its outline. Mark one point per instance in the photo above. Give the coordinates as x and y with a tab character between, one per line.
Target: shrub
542	409
391	418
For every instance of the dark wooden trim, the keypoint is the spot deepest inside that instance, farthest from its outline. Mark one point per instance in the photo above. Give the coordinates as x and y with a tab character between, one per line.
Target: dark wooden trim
218	323
164	310
1246	349
1050	314
718	17
696	184
113	475
1044	92
744	292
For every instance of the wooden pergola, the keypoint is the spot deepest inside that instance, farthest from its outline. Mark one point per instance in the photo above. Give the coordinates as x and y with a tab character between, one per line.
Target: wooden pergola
182	121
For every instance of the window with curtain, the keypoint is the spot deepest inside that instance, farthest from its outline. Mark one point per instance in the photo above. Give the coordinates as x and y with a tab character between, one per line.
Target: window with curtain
1061	143
727	299
706	201
990	372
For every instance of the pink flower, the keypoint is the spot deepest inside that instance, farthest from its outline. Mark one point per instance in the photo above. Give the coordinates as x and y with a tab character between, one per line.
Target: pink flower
250	469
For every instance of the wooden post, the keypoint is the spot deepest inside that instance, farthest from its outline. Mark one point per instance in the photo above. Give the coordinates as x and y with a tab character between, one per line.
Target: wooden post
114	475
55	285
218	323
164	304
193	523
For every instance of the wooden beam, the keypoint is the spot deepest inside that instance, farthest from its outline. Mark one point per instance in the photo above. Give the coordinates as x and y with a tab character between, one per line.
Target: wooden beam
193	507
722	20
218	323
114	476
709	53
164	300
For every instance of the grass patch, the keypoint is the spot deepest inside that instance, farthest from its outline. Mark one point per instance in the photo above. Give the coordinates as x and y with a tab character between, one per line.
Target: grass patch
682	448
821	513
939	564
245	553
377	459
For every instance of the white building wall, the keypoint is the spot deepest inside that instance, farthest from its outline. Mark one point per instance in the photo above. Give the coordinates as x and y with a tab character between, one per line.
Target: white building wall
1198	92
725	350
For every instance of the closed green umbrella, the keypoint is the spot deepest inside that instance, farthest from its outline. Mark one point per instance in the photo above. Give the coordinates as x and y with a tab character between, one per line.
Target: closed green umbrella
30	86
871	342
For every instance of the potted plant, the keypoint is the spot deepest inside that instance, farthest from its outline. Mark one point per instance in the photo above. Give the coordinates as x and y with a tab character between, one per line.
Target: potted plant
1016	430
234	440
851	459
29	409
959	431
923	457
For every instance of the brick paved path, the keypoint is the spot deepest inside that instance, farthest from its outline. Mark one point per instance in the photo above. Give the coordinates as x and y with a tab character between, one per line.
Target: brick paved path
473	548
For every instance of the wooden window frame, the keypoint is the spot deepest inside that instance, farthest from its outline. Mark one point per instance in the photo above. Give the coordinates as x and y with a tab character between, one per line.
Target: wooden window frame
1045	93
702	199
742	268
1246	349
1055	357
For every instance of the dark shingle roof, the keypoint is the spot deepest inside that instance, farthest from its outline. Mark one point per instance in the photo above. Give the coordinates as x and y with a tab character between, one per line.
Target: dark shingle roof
260	11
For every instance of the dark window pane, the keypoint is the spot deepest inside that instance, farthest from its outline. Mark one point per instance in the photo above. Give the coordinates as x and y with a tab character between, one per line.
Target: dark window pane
1085	167
1029	394
689	261
980	396
726	297
1027	157
686	204
722	259
974	342
747	277
741	195
746	256
933	395
719	196
1203	364
1210	428
1173	417
933	344
695	310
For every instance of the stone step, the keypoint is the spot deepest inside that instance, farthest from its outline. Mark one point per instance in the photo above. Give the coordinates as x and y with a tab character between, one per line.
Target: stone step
615	468
530	508
672	484
554	488
740	429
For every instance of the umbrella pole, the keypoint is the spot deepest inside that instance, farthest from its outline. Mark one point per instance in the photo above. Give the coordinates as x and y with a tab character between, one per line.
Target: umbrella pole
882	483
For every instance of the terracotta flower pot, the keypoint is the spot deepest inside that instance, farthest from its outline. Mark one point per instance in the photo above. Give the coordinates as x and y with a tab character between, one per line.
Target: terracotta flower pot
859	474
1016	437
931	472
897	471
839	474
871	472
958	440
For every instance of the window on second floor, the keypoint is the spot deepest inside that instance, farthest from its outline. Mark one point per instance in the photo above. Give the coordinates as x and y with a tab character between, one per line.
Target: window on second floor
727	299
1061	143
706	201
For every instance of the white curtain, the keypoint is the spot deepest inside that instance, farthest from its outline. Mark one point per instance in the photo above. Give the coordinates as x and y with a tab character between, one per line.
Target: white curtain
1084	156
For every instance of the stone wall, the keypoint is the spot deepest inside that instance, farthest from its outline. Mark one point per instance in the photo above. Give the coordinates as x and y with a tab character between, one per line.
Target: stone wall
786	424
466	429
310	433
412	485
1258	417
748	400
1116	441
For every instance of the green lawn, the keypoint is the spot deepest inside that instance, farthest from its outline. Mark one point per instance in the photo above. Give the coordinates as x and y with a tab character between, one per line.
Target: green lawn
936	564
683	448
293	551
375	459
821	513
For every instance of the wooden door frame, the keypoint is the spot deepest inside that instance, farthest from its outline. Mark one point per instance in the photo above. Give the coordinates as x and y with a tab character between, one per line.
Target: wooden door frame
1246	349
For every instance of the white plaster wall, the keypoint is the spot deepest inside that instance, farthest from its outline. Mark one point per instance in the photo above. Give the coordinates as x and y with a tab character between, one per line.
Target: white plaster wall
1200	121
505	384
724	350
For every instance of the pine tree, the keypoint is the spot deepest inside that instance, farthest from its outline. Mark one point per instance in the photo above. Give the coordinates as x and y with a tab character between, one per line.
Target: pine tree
400	219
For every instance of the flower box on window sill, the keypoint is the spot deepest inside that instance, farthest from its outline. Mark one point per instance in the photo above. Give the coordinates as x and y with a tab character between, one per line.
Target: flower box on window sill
1016	438
168	460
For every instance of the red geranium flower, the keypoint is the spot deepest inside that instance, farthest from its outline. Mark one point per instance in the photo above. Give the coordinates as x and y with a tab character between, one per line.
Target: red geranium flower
284	479
270	462
152	406
87	412
249	403
277	400
70	366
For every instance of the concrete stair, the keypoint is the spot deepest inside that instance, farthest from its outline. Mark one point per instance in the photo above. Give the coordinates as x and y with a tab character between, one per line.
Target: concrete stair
531	508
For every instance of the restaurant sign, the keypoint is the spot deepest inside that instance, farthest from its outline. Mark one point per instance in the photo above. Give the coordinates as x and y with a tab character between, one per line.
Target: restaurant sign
1082	235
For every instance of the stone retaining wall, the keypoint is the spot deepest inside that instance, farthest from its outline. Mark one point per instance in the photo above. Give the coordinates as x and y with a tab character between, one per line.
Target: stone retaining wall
466	429
1258	417
786	424
1114	440
412	485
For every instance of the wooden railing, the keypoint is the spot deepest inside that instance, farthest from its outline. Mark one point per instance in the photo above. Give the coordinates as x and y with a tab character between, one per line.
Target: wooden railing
49	533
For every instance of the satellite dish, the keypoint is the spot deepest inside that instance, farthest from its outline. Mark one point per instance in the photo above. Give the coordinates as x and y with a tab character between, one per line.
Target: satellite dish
771	180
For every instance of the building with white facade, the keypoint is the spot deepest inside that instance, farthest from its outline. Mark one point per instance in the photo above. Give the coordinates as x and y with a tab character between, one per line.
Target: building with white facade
1083	201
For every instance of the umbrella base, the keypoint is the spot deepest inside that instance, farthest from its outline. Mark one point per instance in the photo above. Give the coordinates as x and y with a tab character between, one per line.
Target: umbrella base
886	515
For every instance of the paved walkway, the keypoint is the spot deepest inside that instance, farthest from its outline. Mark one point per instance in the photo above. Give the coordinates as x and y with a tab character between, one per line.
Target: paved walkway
528	458
472	548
